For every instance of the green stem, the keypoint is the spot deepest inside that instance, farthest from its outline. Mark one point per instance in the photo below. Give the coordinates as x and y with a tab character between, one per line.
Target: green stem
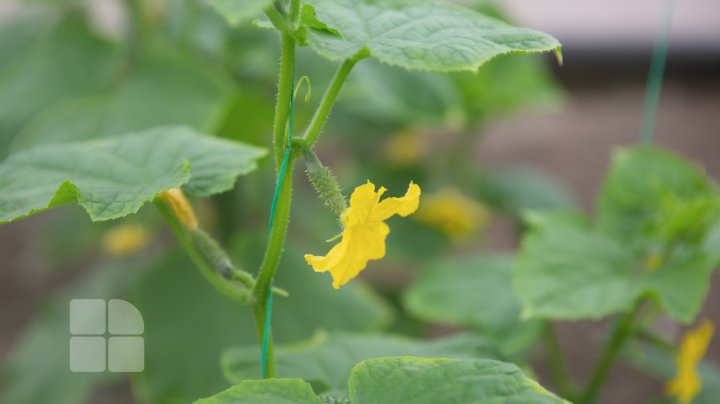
331	94
558	370
294	13
281	217
285	90
623	329
656	340
232	291
271	261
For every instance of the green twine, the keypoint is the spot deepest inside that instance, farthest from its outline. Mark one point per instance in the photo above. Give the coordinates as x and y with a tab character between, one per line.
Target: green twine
281	176
655	77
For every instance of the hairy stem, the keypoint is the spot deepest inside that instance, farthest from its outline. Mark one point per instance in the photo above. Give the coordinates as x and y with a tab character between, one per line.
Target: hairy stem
278	232
285	90
232	291
623	329
328	100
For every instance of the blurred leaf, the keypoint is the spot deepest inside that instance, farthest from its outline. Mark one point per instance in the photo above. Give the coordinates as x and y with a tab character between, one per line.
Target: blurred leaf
116	176
37	370
423	35
69	62
640	186
566	271
326	360
387	94
419	380
19	32
518	189
474	292
237	11
506	83
161	89
269	391
656	213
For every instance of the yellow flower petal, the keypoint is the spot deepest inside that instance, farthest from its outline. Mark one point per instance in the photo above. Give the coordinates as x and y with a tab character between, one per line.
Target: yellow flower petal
175	198
364	233
687	383
401	206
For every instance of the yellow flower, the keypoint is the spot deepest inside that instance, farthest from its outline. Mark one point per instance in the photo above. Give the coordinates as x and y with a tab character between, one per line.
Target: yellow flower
364	231
175	198
452	213
125	239
687	384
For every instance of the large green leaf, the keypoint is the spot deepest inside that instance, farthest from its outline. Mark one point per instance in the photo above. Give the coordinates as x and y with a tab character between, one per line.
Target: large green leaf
475	292
116	176
654	238
419	35
419	380
326	360
567	271
237	11
269	391
159	90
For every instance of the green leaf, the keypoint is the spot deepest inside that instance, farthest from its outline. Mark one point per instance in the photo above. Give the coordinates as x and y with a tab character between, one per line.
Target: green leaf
238	11
640	185
159	90
419	35
309	20
566	271
475	292
326	360
420	380
114	177
519	189
69	62
270	391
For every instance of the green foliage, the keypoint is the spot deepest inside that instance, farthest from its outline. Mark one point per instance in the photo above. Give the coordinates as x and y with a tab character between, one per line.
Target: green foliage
327	359
160	89
422	35
270	391
418	380
518	189
115	177
656	211
164	298
40	360
237	11
473	292
70	61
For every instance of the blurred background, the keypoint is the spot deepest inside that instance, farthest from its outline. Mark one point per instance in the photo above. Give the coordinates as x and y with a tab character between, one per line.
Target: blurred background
523	133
